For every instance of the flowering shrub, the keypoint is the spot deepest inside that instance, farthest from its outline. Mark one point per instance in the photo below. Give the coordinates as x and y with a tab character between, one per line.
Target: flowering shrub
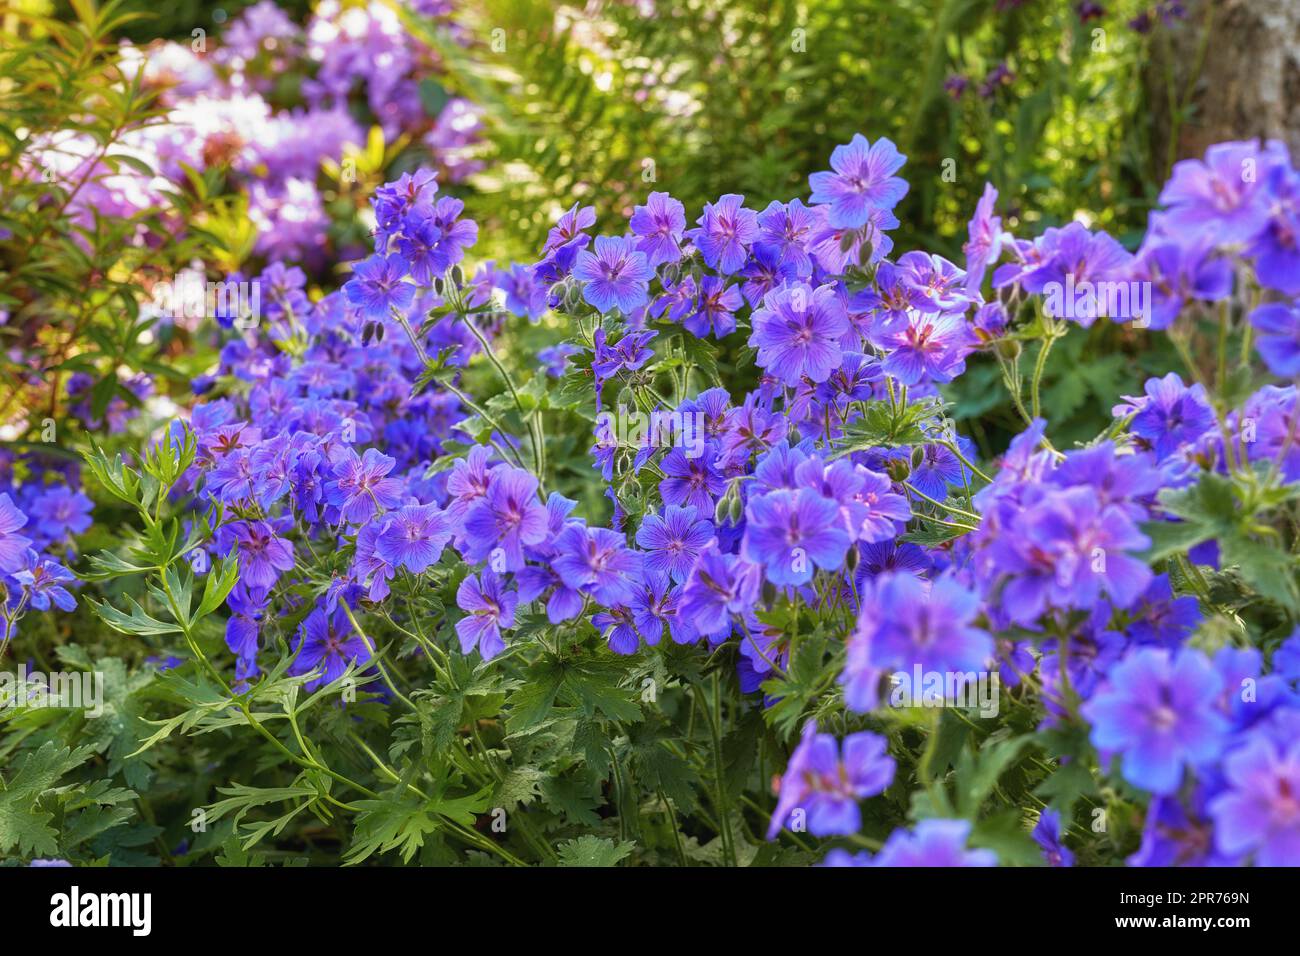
666	549
1063	655
139	173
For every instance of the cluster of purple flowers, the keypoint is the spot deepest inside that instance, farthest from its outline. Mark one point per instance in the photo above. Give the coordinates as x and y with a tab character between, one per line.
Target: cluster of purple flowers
320	441
220	94
39	521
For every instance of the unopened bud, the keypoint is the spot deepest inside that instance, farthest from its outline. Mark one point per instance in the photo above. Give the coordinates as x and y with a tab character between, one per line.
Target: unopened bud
1009	349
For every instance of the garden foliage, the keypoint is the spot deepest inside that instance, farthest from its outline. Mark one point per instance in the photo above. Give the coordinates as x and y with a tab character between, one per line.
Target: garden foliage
667	545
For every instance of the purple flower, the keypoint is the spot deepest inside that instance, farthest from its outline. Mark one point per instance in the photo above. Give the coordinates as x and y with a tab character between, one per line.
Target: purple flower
378	285
44	581
726	230
508	517
434	244
677	300
1155	711
788	532
691	480
764	272
881	510
1000	75
656	604
1276	249
1047	834
413	537
749	429
863	180
932	347
674	541
360	489
1171	415
1064	551
934	842
937	469
13	546
555	358
570	227
489	608
786	228
410	192
263	554
984	246
1279	337
933	283
1075	260
825	781
797	332
990	321
1222	193
1260	811
718	587
60	511
525	296
1162	619
327	643
598	561
660	224
1178	835
713	309
616	275
468	482
1178	272
906	623
618	628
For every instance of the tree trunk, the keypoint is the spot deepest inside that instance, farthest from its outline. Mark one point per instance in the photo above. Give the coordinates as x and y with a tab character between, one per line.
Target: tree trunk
1244	83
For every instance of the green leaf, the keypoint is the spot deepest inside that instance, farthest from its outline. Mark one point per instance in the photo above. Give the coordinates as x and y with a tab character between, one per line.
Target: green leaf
978	773
221	579
24	826
403	823
137	622
591	850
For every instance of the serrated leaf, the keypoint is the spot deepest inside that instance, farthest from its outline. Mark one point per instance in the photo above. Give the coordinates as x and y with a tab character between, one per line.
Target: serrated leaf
595	851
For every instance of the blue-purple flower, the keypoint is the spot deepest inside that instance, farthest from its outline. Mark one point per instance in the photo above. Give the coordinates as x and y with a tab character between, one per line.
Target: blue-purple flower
1156	712
489	609
378	285
616	275
797	332
825	780
863	181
